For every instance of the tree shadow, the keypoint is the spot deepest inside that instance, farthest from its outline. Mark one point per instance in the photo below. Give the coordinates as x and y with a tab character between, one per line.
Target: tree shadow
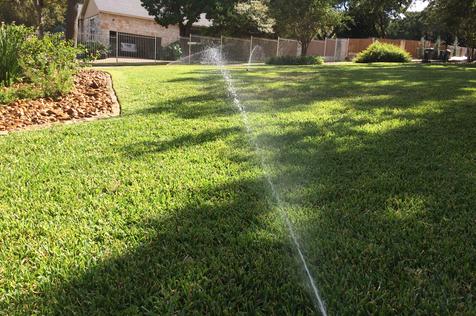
214	256
138	149
381	211
388	211
265	89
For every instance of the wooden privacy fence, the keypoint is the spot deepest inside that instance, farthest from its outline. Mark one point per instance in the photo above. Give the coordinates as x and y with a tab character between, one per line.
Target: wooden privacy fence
356	45
415	48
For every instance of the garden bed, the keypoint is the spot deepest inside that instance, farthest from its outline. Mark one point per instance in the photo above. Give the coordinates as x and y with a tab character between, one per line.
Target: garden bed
91	98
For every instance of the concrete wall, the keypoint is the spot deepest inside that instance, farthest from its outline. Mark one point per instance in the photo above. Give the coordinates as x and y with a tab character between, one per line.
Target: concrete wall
137	26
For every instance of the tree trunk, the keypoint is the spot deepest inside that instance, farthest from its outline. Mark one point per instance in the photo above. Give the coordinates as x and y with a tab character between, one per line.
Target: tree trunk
382	32
304	47
39	6
71	21
185	29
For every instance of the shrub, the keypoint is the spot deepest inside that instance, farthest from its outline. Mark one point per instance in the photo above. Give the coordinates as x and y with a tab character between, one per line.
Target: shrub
49	63
19	91
295	60
172	52
94	50
12	38
383	52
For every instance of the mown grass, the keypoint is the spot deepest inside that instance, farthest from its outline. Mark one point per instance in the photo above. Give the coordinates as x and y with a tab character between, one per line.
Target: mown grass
165	210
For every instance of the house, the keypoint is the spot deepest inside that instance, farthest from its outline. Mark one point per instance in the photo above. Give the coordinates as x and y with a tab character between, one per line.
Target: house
126	26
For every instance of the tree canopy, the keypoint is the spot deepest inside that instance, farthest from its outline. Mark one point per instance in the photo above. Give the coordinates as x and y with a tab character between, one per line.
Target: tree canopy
185	13
247	17
305	19
370	18
456	16
45	15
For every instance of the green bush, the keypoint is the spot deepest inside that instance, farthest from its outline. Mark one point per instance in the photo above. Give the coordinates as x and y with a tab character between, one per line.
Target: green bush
16	92
172	52
383	52
93	50
49	63
295	60
12	38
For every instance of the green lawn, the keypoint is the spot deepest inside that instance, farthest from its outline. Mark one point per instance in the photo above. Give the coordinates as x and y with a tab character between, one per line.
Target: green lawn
166	209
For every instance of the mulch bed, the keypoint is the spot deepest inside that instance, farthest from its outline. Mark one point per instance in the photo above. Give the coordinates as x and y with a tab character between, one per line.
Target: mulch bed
91	98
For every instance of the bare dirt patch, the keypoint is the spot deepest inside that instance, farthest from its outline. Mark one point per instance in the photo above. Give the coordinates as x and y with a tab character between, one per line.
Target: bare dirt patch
92	98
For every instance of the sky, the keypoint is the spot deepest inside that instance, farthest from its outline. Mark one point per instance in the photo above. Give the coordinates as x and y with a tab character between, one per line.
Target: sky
418	5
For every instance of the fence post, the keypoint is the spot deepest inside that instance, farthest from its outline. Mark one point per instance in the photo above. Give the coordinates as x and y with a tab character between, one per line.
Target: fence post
348	48
221	45
277	48
403	44
190	49
117	47
251	47
325	48
155	49
335	50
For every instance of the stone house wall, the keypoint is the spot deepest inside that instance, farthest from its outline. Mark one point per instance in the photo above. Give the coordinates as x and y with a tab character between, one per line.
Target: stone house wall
137	26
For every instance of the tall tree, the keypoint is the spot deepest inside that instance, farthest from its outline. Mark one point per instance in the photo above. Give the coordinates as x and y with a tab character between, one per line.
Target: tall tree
411	26
185	13
305	19
459	17
15	11
45	15
39	6
370	18
248	17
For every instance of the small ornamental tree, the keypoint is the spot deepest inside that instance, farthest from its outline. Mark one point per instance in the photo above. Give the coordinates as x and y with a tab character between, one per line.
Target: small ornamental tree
305	19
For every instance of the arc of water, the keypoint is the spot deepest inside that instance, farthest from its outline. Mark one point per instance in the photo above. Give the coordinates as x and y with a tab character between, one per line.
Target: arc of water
250	60
215	56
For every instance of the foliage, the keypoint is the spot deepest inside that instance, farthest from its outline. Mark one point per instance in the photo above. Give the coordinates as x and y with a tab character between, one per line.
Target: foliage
458	17
370	18
248	17
19	12
46	15
305	19
172	52
295	60
49	63
185	12
94	50
383	52
19	91
12	37
411	26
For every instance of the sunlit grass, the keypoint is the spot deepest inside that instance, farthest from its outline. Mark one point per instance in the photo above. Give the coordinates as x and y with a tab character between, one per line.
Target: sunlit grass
165	209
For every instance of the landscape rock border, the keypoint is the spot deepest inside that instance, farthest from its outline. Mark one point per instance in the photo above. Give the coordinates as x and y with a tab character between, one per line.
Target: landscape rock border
97	90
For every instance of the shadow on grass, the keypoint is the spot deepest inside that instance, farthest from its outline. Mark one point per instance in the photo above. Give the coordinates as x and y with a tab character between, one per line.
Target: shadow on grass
136	150
389	212
400	85
387	222
213	256
388	215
